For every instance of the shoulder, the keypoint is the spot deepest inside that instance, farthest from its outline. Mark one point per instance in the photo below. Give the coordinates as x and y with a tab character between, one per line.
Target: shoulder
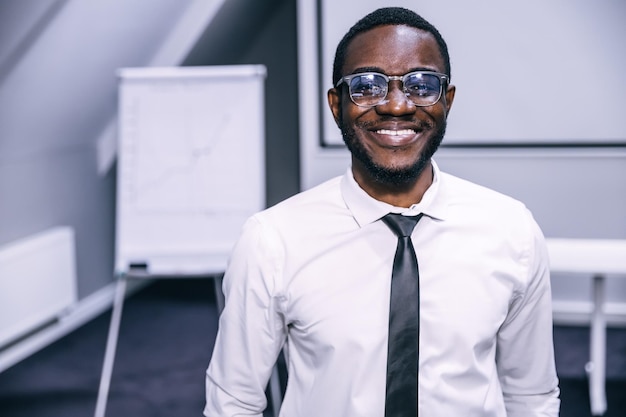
309	204
467	195
491	211
307	209
500	222
470	191
325	194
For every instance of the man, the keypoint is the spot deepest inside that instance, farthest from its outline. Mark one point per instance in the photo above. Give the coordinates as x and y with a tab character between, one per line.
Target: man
313	274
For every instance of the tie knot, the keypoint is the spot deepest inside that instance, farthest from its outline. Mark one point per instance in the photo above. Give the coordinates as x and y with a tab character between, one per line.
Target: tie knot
401	225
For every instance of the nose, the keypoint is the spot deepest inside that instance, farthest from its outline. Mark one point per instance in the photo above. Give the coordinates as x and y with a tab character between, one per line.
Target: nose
396	103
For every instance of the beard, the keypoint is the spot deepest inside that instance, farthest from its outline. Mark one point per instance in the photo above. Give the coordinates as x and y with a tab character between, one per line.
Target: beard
391	176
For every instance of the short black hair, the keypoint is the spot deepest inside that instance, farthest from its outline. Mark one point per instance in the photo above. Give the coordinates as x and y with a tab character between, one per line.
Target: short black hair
387	16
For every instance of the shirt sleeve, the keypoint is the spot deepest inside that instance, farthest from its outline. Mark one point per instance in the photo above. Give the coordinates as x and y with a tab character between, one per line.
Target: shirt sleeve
251	330
525	349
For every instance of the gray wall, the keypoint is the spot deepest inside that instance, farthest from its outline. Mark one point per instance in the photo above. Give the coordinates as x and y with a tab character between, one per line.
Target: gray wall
575	189
57	92
269	38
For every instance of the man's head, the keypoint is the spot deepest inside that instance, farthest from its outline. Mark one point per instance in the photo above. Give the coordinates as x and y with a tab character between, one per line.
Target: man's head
388	16
392	136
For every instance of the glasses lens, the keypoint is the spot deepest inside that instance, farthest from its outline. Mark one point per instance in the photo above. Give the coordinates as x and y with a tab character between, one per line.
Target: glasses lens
368	89
422	89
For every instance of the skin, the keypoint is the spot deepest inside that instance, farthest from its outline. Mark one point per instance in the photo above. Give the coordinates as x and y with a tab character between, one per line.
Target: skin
394	168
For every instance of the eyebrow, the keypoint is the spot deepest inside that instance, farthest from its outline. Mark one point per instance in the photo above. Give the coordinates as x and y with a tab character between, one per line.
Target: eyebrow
381	71
367	69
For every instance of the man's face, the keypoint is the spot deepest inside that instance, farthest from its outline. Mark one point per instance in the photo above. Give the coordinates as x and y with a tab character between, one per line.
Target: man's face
392	142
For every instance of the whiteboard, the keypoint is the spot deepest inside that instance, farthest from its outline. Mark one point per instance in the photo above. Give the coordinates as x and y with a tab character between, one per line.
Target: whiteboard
529	72
191	165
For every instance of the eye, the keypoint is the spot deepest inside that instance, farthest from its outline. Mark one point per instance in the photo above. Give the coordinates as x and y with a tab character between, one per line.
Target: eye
422	85
367	85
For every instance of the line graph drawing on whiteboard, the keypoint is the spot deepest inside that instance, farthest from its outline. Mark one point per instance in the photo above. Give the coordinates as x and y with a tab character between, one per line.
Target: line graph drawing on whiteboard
177	155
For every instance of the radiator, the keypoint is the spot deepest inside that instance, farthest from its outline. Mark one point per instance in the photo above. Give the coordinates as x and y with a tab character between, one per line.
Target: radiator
37	282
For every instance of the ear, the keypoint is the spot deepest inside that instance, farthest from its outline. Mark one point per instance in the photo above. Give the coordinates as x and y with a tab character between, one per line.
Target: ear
334	102
449	97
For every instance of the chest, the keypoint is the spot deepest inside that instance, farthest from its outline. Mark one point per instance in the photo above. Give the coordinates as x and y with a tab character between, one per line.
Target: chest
338	293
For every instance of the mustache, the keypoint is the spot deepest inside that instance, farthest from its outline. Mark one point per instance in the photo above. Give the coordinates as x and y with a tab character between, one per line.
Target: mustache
418	124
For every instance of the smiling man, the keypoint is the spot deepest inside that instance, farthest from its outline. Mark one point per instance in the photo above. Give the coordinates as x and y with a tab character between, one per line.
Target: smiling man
396	289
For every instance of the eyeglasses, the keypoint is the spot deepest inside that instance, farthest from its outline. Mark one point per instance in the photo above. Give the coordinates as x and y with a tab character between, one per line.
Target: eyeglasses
369	89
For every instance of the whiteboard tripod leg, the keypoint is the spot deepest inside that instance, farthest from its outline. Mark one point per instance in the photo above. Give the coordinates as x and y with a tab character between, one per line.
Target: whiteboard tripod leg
109	354
219	294
275	391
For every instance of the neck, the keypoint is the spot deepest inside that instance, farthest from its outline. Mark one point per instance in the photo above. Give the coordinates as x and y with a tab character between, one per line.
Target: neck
399	195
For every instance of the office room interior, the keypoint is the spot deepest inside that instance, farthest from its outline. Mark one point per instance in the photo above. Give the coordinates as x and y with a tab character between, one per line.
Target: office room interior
538	115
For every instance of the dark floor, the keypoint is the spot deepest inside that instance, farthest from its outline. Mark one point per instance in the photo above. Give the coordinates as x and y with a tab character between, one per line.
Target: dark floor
165	344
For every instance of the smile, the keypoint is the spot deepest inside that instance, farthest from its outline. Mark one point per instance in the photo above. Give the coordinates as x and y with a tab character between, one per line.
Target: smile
396	132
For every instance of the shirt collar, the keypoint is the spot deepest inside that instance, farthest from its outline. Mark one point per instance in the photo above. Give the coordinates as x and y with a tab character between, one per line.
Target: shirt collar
366	209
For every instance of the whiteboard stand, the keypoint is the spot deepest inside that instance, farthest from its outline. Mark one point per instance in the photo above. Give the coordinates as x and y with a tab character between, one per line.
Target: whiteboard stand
190	172
275	391
114	330
109	353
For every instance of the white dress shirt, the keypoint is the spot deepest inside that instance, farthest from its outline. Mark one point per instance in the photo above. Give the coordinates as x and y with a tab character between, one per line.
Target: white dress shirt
312	274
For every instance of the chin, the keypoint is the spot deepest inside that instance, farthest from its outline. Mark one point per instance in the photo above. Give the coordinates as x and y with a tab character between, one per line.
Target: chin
396	176
387	175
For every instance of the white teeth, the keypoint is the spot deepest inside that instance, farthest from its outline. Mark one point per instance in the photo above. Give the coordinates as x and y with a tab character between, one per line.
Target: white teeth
396	132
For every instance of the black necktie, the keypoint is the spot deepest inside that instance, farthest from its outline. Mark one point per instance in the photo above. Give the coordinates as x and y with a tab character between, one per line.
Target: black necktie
402	351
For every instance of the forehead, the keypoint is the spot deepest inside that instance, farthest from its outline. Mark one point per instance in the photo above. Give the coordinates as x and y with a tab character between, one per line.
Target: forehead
393	49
